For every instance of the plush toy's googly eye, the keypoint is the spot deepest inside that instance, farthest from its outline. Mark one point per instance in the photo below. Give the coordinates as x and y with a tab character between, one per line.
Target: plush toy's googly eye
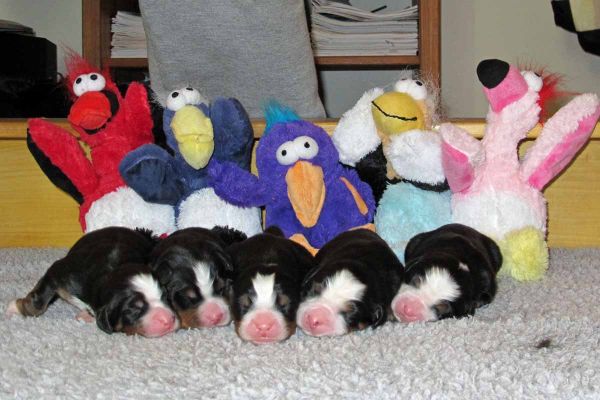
306	147
415	89
176	100
286	153
191	95
80	86
96	82
534	81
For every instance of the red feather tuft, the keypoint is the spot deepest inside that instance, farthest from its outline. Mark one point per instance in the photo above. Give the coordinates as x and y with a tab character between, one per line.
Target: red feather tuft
77	65
550	91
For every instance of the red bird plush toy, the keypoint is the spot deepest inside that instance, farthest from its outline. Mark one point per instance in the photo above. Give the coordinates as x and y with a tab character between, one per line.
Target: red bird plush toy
111	126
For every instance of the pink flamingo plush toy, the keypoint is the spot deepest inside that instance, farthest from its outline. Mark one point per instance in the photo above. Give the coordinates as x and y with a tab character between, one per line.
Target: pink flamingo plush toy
493	190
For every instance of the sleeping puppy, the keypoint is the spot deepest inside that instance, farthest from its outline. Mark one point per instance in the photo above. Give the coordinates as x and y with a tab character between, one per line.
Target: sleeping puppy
268	273
196	272
352	286
105	275
450	272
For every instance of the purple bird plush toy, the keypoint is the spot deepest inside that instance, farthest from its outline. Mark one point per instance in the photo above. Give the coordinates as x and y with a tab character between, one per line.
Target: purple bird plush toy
305	190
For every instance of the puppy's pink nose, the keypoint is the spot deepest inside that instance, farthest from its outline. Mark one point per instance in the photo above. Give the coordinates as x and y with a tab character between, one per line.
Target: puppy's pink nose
409	309
319	321
160	322
263	323
163	317
211	315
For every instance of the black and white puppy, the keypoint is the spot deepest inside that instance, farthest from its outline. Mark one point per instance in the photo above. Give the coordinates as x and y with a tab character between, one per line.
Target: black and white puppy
352	286
197	274
105	275
266	292
450	272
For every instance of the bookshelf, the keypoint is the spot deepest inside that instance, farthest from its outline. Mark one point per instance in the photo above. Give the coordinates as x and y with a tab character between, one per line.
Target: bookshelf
97	16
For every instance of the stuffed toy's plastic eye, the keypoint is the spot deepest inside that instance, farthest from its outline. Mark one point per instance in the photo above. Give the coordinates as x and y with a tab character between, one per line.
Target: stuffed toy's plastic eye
416	89
176	100
81	85
306	147
96	82
286	153
534	81
191	95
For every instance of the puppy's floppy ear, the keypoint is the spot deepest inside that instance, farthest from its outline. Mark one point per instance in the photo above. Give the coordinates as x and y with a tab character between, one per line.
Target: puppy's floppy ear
229	235
494	254
107	318
275	231
378	315
413	245
163	272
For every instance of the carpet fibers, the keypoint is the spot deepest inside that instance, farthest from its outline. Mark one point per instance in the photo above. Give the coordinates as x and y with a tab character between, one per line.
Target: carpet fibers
537	340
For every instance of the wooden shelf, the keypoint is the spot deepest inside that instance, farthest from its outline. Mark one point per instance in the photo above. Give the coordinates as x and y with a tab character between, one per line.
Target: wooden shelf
126	62
366	60
332	61
97	16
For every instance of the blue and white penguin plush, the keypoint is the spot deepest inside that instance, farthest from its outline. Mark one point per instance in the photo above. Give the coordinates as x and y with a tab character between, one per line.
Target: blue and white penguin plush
386	136
198	133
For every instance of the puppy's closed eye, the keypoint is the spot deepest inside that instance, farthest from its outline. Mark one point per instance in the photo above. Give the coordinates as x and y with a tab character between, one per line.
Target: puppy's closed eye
442	309
186	298
416	281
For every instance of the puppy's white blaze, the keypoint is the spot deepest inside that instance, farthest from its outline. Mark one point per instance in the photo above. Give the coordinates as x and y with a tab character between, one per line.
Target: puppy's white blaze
203	279
264	286
463	266
341	288
437	286
148	286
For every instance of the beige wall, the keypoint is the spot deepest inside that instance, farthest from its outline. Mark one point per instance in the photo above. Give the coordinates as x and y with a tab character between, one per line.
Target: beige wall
512	30
56	20
472	30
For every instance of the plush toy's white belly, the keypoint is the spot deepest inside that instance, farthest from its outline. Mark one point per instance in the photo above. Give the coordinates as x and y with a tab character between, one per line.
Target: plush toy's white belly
124	207
498	213
205	209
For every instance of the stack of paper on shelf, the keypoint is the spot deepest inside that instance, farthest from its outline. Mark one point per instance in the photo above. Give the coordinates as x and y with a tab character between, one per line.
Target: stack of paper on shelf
128	39
340	29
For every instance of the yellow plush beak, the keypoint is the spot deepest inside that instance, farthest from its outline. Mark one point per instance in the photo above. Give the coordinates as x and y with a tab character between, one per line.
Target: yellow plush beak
194	134
306	191
396	112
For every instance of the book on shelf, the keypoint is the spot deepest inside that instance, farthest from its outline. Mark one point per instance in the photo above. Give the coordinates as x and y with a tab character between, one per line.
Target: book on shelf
128	36
340	29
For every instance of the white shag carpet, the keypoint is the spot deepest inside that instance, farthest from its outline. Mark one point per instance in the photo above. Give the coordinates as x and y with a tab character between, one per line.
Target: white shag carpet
537	340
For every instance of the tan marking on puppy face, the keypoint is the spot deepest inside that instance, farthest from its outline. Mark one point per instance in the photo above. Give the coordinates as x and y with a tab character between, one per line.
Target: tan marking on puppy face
188	318
290	328
244	300
238	325
130	330
283	300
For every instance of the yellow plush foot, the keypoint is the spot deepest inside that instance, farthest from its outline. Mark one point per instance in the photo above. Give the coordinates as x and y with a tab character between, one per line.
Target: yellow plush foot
525	254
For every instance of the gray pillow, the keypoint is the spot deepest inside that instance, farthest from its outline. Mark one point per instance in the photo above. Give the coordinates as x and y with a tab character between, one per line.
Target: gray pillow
252	50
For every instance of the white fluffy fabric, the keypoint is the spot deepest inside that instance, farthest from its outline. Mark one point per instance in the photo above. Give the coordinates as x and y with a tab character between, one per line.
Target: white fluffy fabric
124	207
417	155
205	209
494	355
496	213
355	135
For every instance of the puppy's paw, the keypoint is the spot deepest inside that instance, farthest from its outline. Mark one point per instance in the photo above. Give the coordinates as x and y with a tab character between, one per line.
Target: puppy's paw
12	309
85	316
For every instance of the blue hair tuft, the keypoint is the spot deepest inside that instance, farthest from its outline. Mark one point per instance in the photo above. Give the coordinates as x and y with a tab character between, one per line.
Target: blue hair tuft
276	113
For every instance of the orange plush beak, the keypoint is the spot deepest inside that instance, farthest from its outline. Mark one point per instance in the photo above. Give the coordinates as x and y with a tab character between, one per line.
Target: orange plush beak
306	191
90	111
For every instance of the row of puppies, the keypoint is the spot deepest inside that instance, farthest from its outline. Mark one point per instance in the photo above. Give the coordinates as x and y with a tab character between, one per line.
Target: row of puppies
132	282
